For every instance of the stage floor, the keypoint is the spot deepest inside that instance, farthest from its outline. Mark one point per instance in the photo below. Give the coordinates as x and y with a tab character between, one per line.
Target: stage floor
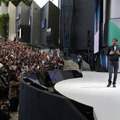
91	90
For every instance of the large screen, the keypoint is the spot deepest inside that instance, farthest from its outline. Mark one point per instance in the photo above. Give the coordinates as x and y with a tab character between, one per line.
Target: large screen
97	26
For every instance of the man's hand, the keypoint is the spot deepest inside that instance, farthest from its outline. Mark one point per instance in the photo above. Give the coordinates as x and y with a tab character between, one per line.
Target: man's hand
111	52
118	52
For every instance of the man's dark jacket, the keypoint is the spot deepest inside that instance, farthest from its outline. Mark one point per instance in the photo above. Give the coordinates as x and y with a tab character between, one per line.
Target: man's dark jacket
115	56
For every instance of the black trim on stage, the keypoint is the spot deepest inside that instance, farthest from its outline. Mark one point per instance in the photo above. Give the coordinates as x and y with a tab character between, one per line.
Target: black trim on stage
38	103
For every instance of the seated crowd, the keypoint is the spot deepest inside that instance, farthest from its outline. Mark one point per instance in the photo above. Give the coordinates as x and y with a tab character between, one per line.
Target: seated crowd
17	59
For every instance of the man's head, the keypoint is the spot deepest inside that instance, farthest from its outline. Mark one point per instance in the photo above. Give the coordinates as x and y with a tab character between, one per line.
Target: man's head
18	71
115	41
3	69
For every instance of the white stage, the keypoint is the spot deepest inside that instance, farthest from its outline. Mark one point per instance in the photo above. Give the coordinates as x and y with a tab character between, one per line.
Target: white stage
91	90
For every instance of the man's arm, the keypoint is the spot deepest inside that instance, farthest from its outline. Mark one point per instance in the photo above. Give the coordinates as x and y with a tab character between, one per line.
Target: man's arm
118	51
110	52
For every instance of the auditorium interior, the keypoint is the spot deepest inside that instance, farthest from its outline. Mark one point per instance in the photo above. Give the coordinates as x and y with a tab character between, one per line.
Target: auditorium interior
58	59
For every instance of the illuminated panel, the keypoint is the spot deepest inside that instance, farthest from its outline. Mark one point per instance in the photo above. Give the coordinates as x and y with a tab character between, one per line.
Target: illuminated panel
97	26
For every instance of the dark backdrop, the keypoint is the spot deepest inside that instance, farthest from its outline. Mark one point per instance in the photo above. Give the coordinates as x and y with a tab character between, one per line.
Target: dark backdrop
83	21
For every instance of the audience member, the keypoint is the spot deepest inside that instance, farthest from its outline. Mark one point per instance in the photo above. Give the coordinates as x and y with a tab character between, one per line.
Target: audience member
13	94
80	62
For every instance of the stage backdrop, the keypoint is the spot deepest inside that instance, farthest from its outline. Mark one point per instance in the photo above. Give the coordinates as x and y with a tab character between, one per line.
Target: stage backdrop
112	21
83	21
114	32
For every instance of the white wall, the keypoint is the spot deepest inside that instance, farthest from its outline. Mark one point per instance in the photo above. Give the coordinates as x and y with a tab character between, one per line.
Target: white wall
104	12
25	10
35	13
115	9
4	9
104	16
12	21
0	10
115	12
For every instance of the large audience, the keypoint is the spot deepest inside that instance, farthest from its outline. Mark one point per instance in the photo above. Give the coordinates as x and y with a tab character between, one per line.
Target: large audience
18	58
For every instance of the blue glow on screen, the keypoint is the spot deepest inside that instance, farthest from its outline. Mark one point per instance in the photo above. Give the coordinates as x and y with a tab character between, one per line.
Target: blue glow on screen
42	25
51	76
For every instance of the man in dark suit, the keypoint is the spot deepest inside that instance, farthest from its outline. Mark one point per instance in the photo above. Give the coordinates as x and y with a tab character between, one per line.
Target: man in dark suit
113	53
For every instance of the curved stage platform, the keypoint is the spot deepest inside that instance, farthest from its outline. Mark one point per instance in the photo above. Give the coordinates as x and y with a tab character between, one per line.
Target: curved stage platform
91	90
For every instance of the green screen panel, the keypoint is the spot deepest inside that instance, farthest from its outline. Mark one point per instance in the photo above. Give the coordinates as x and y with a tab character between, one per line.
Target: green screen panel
114	32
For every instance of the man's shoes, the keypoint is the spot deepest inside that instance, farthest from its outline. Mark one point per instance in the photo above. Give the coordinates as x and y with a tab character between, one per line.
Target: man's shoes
108	85
114	85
